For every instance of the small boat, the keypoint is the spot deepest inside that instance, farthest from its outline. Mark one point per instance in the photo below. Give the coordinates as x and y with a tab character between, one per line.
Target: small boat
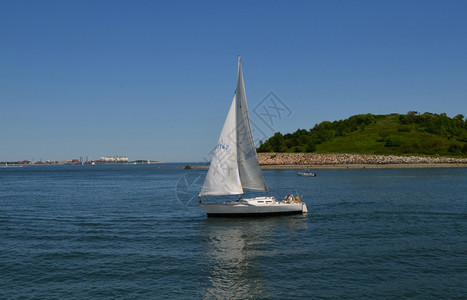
235	168
306	174
11	166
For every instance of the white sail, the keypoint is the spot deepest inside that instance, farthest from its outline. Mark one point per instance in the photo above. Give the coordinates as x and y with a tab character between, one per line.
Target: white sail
223	176
251	176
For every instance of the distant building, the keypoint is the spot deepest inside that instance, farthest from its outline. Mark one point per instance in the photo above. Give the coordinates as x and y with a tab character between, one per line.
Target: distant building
114	158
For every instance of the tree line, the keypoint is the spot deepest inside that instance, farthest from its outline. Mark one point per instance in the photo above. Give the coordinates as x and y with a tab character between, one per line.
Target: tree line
450	129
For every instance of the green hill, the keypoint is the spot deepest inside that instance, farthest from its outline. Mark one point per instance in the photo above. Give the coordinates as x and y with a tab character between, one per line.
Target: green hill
395	134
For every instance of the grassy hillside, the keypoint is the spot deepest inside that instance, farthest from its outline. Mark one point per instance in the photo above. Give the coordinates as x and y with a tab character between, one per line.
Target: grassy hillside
395	134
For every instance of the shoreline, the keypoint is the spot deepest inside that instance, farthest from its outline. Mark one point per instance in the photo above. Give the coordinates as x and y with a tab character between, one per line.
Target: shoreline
65	163
365	166
344	159
352	161
355	166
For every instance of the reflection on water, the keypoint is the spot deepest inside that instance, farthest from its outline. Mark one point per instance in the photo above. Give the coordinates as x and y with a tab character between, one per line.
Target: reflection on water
235	249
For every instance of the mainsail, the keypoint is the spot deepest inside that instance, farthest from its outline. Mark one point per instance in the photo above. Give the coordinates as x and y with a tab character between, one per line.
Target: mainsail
235	165
248	164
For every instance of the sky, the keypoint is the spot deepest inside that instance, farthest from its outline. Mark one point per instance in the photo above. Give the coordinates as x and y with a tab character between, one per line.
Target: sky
155	79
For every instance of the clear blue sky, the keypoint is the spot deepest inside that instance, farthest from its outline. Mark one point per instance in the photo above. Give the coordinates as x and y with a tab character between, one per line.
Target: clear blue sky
154	80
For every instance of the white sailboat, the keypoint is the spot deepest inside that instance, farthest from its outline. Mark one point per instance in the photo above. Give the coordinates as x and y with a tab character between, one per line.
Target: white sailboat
235	168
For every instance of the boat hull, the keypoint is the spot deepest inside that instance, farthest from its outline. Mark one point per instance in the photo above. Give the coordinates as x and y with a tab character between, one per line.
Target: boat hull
252	209
307	174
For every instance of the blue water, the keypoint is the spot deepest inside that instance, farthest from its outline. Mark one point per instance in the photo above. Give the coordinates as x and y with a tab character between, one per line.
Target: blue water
90	232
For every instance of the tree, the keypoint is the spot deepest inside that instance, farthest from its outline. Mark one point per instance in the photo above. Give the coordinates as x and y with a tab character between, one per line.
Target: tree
278	143
310	147
264	147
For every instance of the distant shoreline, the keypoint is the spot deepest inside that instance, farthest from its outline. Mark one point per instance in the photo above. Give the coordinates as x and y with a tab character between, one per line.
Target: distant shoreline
89	163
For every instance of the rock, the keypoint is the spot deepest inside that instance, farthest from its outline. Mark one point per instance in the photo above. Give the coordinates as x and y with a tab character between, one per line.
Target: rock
343	158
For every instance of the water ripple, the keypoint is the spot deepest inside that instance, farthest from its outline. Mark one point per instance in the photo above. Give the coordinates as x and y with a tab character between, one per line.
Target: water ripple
119	232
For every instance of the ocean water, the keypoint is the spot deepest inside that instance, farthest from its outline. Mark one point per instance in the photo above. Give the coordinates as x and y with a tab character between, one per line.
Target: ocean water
137	232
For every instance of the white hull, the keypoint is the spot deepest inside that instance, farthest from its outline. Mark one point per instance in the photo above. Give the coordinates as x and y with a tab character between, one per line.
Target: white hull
259	206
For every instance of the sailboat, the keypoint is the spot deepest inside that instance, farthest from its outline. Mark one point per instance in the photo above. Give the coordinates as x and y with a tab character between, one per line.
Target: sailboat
235	168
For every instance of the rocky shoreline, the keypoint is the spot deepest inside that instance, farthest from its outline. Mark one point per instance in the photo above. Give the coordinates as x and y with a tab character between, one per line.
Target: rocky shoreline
301	160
